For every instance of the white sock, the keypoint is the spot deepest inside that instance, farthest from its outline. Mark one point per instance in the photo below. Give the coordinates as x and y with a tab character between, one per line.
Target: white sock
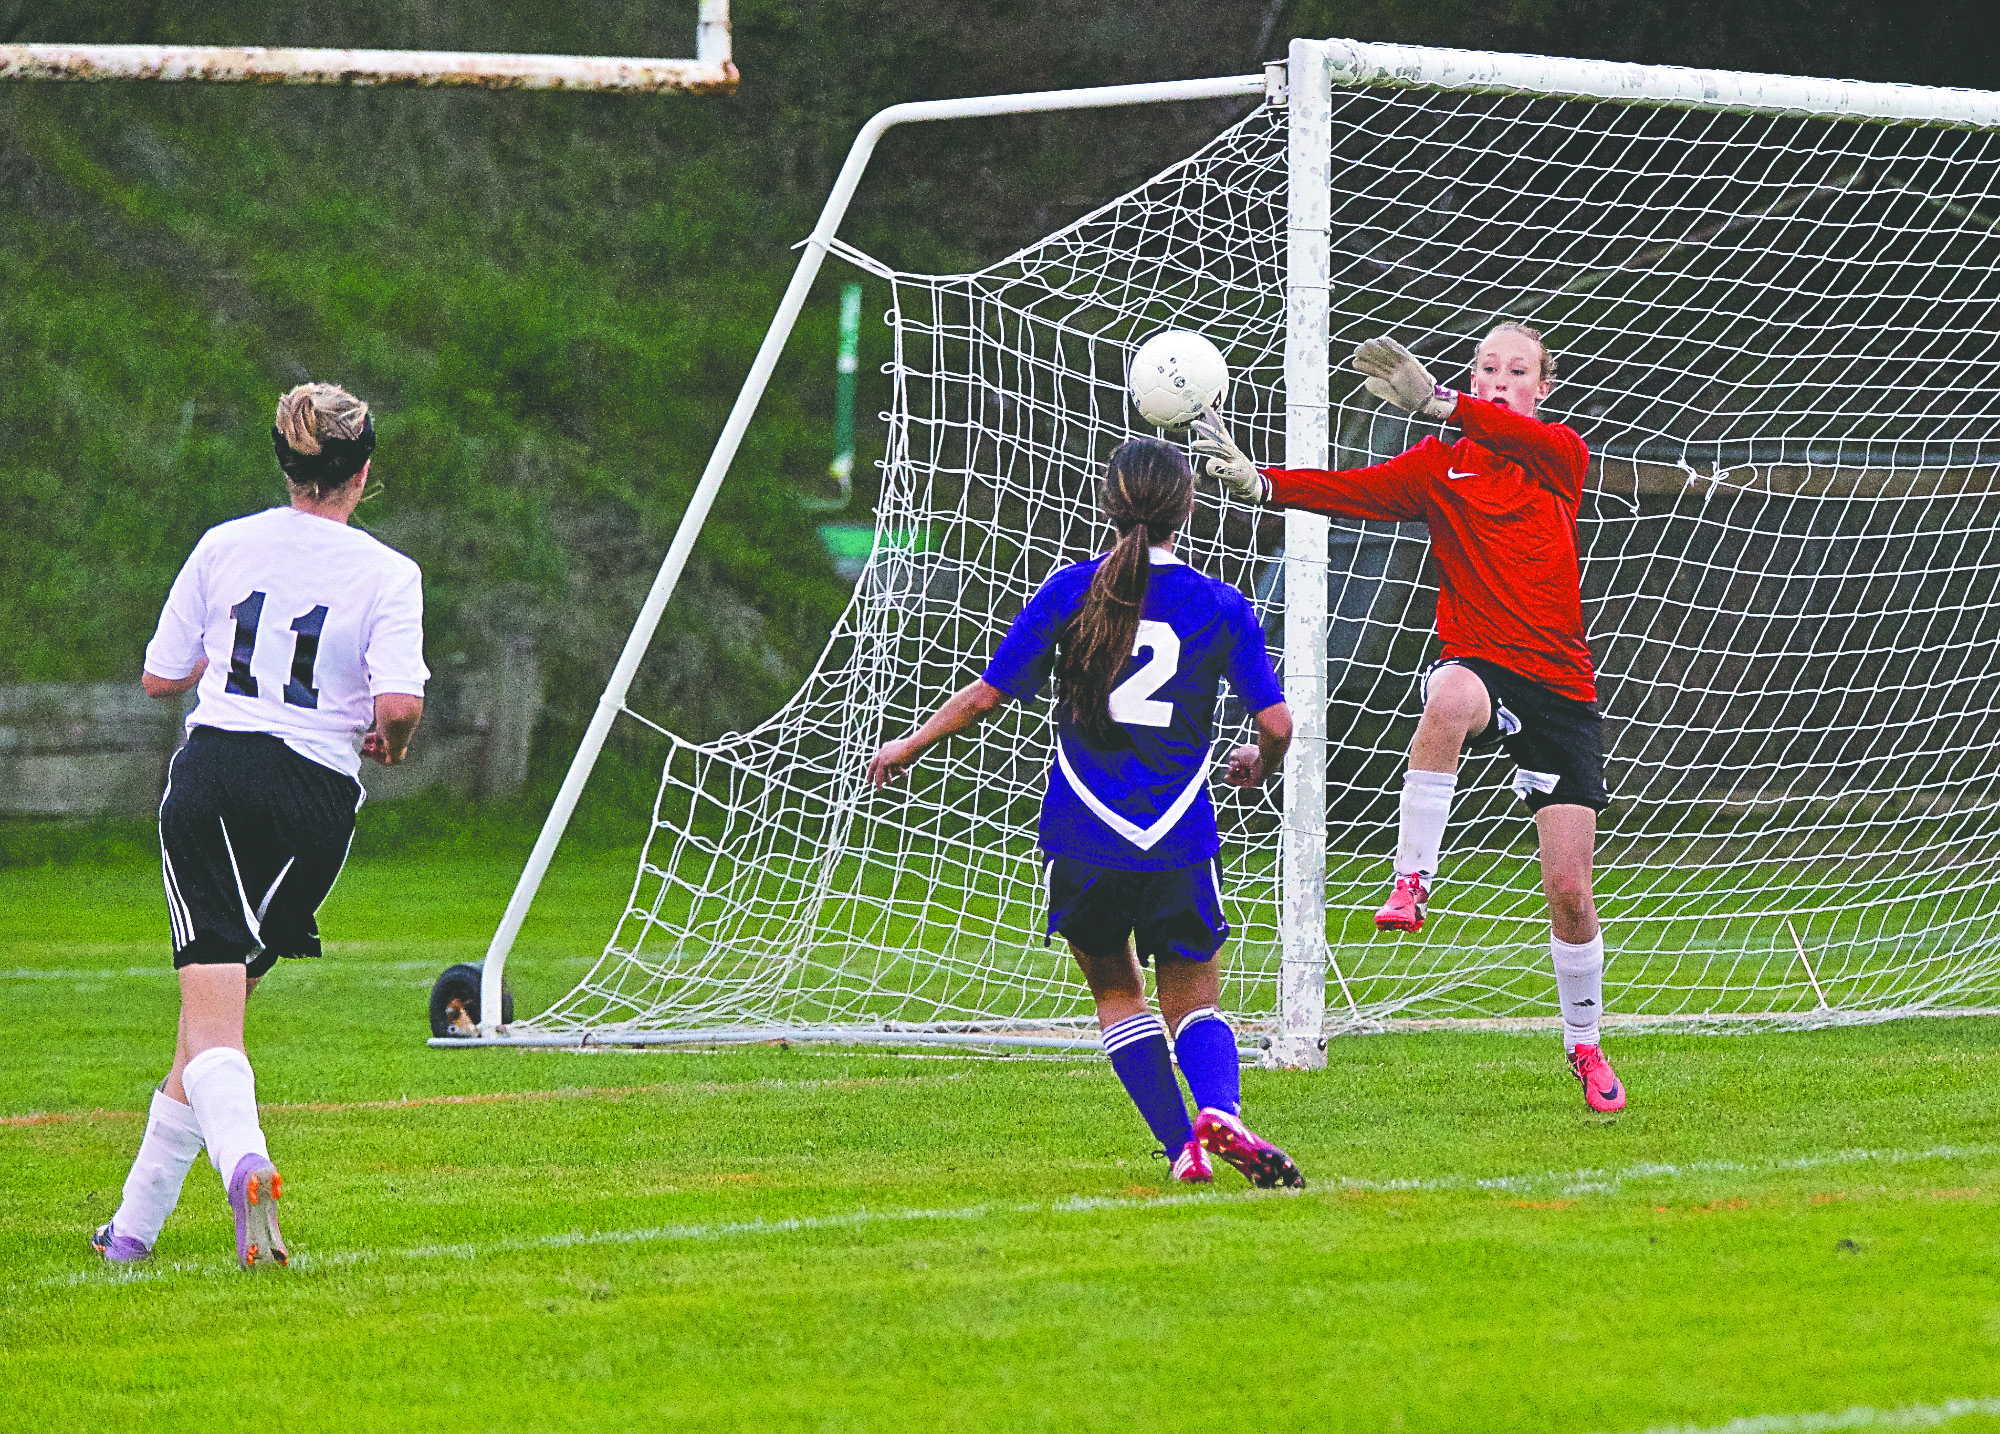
223	1091
1580	988
1426	809
169	1150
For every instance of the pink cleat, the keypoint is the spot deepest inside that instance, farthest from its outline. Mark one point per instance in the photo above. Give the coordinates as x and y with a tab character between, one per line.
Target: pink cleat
1191	1166
1404	910
1601	1088
117	1249
253	1198
1261	1163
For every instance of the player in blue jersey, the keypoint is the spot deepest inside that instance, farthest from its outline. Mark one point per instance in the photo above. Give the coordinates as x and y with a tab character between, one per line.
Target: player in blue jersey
1138	643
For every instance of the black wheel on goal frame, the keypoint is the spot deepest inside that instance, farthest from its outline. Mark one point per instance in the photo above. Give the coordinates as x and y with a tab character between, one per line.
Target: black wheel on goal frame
455	1002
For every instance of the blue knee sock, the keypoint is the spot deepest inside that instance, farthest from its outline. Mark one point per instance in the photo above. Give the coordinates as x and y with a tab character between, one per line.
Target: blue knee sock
1206	1050
1137	1046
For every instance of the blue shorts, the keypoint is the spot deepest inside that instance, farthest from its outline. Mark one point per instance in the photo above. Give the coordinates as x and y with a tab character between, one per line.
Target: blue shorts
1168	913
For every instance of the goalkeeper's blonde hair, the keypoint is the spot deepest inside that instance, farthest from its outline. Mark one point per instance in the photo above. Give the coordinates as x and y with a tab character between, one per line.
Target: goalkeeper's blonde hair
1511	326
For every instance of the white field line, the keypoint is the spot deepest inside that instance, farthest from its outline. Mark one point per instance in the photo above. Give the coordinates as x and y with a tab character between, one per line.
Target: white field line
1607	1182
164	968
669	1234
1568	1182
1908	1416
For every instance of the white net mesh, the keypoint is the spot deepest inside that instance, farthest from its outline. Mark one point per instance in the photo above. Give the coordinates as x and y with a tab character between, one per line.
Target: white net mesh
1779	337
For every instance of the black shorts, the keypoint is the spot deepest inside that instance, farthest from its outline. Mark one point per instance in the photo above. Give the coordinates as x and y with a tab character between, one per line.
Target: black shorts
1169	913
1557	742
252	836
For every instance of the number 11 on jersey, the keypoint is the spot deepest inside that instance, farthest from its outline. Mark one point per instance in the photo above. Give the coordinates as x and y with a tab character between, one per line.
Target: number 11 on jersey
299	691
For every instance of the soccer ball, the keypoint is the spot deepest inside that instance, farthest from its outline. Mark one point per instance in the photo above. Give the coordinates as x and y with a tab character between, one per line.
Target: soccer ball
1175	375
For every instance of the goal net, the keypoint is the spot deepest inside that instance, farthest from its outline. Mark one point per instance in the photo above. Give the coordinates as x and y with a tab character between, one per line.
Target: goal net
1780	336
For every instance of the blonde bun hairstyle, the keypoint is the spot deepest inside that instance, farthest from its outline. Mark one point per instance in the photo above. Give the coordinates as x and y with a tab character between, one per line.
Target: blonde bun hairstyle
323	436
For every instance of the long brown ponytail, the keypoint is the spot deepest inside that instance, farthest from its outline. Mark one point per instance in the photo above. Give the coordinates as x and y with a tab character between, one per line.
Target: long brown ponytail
1148	493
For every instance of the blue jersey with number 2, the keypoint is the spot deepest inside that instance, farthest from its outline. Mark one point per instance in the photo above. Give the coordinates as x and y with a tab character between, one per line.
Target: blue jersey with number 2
1145	806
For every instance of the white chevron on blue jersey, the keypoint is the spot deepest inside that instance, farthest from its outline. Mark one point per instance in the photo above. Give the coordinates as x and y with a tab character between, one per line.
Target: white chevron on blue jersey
1144	838
1142	805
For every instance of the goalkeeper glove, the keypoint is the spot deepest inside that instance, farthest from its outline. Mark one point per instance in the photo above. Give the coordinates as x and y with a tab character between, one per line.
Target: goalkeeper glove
1226	463
1396	376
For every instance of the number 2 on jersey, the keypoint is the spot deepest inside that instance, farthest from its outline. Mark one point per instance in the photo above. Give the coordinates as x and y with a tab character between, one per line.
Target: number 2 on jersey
1132	701
299	691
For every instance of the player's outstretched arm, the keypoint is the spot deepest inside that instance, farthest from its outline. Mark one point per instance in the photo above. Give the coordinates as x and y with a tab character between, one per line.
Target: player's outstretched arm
967	707
1396	376
396	718
1251	765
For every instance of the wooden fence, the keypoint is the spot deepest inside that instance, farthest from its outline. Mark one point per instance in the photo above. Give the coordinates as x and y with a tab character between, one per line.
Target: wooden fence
73	749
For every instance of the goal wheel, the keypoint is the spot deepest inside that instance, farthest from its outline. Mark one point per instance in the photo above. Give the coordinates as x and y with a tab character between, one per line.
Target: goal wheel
455	1002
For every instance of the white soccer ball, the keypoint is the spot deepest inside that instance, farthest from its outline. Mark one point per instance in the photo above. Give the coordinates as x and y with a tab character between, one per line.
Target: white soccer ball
1174	376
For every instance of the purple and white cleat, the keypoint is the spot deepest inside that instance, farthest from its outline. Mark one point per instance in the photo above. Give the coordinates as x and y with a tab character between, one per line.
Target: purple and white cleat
117	1249
1261	1163
253	1199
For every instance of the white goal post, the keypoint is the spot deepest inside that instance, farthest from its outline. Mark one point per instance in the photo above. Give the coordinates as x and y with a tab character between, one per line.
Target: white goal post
711	71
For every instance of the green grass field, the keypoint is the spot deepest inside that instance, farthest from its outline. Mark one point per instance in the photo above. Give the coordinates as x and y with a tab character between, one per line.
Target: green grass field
1781	1225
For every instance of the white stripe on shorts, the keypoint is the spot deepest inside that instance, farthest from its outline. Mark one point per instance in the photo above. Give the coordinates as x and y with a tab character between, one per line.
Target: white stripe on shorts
253	919
276	882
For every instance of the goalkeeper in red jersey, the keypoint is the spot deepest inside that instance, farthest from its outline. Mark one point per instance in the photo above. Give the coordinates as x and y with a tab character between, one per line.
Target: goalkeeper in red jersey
1501	504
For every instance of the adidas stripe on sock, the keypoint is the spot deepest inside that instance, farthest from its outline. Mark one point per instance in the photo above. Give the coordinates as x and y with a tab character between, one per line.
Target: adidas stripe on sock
1579	987
1206	1050
1137	1046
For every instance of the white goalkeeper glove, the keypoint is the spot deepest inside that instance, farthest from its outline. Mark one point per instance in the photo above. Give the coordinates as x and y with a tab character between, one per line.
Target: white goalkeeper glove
1396	376
1226	463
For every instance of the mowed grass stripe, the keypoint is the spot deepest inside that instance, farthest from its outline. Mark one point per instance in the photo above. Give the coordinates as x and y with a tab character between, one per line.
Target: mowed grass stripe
1597	1182
279	1109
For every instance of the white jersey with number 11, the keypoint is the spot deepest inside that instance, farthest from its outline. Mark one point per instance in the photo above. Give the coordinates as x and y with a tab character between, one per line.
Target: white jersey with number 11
304	621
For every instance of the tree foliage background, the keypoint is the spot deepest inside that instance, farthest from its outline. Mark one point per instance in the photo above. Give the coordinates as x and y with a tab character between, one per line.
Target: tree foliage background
552	299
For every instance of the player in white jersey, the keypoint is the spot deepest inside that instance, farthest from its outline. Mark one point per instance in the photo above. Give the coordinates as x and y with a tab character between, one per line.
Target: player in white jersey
303	639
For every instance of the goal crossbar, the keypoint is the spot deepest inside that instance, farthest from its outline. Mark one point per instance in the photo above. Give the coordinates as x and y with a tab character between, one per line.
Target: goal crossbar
711	71
1353	62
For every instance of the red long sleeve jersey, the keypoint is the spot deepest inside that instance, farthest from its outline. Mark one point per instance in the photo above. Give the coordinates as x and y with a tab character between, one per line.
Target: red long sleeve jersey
1501	504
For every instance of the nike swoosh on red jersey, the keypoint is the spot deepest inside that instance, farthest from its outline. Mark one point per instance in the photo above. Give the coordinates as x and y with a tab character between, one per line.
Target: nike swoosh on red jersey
1454	473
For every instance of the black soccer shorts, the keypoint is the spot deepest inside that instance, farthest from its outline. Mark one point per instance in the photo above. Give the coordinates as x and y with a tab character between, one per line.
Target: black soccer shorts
1169	913
252	836
1557	742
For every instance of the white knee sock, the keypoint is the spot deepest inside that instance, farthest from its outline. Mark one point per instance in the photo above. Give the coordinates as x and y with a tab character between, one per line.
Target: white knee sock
1580	988
1426	809
223	1091
170	1148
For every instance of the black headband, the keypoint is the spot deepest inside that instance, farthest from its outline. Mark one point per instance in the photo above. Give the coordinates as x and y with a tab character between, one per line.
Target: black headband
338	459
